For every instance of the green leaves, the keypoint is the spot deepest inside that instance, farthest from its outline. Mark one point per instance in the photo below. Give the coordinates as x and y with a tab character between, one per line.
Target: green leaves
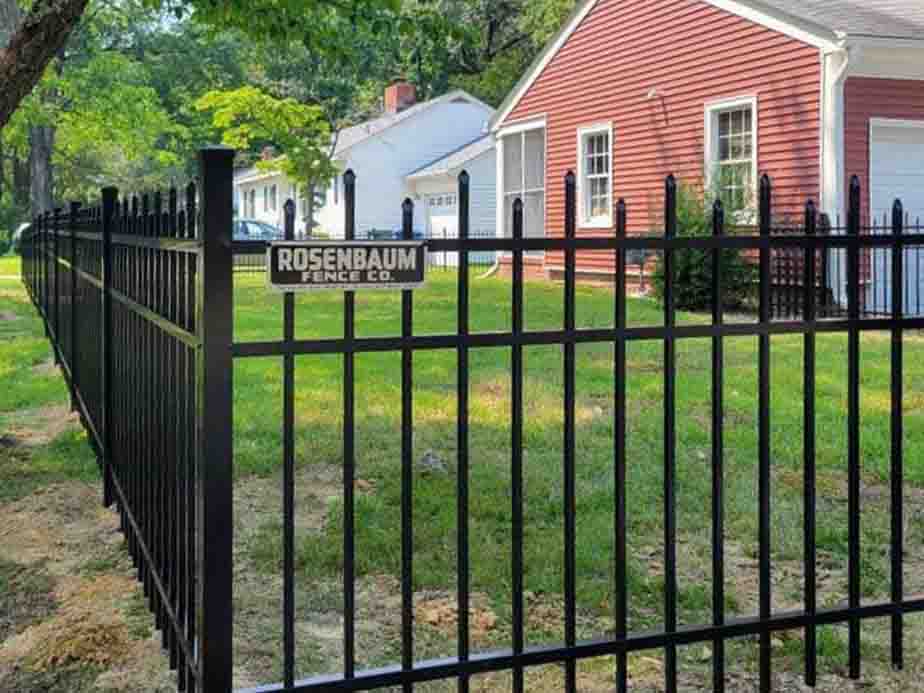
248	117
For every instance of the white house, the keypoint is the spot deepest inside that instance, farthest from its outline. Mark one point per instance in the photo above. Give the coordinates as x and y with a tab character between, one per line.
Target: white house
412	150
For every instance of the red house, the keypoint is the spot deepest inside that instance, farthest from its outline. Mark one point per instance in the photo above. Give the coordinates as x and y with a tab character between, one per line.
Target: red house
807	91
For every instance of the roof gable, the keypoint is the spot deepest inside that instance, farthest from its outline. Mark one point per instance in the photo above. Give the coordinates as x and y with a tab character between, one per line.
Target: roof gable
352	136
820	23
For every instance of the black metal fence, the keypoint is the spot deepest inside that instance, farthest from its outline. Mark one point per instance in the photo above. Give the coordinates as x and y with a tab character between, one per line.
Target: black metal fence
127	291
159	285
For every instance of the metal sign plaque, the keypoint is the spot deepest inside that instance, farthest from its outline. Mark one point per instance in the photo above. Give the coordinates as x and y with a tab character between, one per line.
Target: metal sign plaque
346	265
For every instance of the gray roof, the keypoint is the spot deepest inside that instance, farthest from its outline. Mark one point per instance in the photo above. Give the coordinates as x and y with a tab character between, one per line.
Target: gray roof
456	159
350	137
874	18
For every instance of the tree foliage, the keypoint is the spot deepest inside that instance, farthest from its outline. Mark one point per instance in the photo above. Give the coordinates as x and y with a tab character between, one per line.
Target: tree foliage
248	116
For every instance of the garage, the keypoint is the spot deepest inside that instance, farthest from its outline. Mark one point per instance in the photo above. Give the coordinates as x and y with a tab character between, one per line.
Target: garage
896	172
443	222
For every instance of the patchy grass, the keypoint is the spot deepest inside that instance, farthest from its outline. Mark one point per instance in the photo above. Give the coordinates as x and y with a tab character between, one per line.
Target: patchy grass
69	603
319	444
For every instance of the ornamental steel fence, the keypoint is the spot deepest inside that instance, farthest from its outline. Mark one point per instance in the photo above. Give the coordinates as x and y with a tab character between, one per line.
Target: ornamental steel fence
138	303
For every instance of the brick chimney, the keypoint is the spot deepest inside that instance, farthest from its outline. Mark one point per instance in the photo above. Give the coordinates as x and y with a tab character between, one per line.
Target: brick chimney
400	96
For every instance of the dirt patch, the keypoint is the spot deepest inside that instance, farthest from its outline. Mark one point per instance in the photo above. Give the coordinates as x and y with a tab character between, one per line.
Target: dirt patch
61	526
78	630
87	628
7	316
37	427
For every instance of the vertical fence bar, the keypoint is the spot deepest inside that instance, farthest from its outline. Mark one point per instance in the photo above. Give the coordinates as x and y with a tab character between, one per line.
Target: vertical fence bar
56	282
670	439
516	447
215	321
718	455
288	466
853	423
808	443
766	209
349	448
621	615
72	290
462	474
897	471
407	464
569	481
110	199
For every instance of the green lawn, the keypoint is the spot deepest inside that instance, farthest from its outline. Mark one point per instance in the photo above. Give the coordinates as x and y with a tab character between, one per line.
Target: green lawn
258	407
31	391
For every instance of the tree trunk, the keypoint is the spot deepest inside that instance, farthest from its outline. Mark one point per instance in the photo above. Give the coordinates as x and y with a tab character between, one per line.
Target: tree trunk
40	37
20	181
10	17
41	189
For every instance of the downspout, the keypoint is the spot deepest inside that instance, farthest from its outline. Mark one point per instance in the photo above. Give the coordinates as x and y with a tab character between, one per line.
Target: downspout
833	130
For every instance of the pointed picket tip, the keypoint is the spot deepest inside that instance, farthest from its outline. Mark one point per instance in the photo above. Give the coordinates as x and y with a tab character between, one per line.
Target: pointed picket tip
671	181
464	178
289	207
407	205
518	205
349	176
570	178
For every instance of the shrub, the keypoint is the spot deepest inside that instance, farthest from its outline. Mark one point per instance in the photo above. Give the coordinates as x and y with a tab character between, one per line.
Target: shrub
693	268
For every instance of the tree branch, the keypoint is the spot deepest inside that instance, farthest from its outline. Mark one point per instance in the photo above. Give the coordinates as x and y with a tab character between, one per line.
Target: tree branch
40	37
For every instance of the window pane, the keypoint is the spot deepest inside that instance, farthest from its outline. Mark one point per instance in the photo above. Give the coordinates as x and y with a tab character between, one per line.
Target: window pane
513	163
724	124
534	215
535	159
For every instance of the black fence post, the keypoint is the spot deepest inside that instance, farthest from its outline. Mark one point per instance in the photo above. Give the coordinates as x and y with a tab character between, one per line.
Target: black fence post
853	423
898	434
110	200
718	454
72	292
809	540
764	439
670	438
288	469
215	323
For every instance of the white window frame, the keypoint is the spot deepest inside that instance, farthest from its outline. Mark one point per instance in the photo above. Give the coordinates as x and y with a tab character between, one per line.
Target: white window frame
711	143
584	220
520	128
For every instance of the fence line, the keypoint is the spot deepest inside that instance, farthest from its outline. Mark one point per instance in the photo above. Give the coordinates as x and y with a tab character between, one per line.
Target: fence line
137	300
127	290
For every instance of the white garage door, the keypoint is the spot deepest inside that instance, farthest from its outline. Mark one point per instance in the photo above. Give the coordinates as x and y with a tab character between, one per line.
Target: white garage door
897	172
443	222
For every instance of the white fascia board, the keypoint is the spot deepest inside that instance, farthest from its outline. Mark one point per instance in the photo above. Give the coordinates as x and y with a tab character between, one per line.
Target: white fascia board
809	33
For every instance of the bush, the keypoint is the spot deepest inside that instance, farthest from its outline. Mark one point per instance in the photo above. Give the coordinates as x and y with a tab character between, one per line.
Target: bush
693	268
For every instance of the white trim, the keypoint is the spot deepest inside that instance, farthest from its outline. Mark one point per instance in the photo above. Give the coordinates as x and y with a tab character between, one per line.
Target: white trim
606	221
834	75
711	143
807	32
893	123
812	34
521	125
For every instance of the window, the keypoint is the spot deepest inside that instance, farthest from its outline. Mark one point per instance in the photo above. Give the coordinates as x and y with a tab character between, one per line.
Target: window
273	198
265	199
524	178
731	133
595	176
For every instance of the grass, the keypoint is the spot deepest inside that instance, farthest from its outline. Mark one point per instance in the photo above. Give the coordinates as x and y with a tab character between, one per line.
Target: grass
28	392
318	406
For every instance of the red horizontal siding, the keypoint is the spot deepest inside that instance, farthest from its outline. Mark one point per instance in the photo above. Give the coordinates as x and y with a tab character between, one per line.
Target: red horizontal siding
692	53
868	98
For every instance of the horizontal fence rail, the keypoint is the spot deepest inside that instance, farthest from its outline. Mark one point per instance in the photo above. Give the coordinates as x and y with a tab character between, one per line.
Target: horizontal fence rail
137	299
